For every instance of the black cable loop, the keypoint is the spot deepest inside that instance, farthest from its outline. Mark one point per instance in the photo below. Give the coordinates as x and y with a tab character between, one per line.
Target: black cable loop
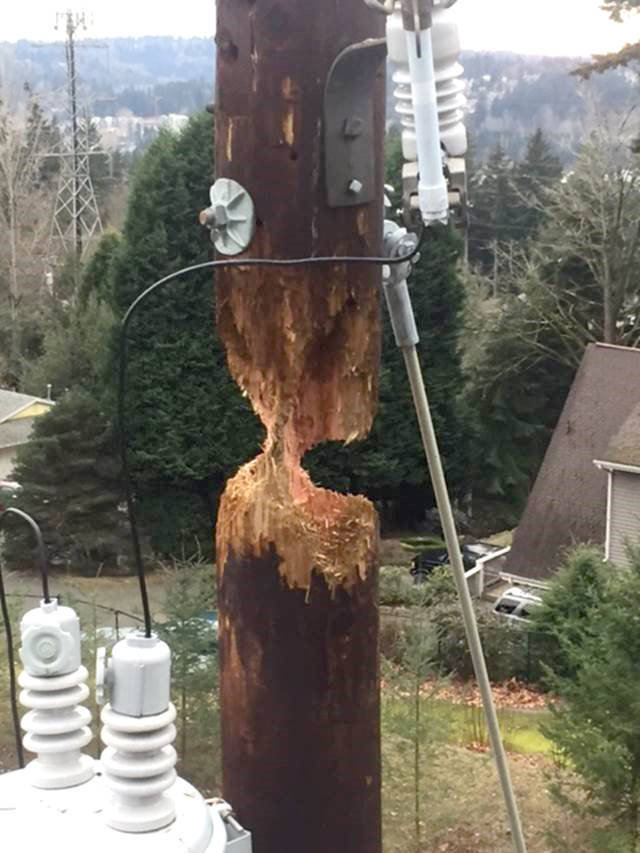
41	548
350	260
13	690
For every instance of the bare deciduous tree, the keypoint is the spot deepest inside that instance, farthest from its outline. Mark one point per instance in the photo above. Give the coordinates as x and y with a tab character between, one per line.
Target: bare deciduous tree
578	282
25	213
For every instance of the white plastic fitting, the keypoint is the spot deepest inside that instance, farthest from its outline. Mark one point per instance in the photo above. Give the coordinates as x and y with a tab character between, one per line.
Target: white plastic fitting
53	688
50	637
433	196
138	731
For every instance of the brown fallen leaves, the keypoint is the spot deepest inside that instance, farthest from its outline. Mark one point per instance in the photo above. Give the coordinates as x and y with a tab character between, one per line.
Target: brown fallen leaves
512	694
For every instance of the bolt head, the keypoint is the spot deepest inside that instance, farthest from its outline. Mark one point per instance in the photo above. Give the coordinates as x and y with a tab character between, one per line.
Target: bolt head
207	217
47	649
353	127
355	186
221	215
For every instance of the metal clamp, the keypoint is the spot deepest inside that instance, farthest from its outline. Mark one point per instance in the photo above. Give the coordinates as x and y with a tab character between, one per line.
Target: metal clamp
350	154
385	7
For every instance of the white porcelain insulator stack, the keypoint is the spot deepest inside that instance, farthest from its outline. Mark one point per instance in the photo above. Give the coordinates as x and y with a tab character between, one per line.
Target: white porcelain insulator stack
139	763
450	88
57	728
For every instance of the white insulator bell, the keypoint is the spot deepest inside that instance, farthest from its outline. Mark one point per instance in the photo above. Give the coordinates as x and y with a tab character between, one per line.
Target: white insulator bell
451	100
57	726
138	731
450	87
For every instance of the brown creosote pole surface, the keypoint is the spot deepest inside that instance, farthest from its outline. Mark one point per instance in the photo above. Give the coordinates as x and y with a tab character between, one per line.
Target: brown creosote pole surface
297	564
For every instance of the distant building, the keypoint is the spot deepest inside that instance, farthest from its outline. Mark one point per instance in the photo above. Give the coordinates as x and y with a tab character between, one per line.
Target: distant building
17	415
126	131
568	502
621	462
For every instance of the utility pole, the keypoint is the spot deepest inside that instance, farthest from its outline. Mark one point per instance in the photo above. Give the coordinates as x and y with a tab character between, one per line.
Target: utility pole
297	585
76	218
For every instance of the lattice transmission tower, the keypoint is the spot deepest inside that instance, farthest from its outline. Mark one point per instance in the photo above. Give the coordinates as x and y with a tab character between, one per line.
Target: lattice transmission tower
76	217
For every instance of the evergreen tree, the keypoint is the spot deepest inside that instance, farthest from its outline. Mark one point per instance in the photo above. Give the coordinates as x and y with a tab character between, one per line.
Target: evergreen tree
595	723
577	591
188	425
539	170
515	393
75	350
70	484
493	201
97	276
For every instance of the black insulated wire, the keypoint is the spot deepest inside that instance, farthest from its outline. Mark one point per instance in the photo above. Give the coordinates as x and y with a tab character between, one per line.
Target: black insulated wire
40	546
350	260
42	557
13	690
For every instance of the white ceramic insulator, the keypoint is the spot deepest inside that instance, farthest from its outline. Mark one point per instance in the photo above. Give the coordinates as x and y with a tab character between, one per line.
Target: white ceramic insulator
139	676
450	97
57	728
139	763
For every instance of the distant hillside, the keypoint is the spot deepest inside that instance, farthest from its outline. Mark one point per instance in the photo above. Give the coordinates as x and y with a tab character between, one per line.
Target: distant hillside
513	95
148	76
510	95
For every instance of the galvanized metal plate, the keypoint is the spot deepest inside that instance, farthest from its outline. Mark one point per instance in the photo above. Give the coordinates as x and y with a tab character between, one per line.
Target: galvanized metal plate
350	155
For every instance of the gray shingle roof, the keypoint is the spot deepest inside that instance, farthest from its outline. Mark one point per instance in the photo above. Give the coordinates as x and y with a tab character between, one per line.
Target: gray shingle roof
624	447
568	501
11	402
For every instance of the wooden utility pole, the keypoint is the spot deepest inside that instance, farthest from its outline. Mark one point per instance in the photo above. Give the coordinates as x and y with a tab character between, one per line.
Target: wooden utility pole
297	564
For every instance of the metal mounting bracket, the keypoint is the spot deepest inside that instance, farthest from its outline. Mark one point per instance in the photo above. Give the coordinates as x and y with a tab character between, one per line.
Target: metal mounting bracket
350	156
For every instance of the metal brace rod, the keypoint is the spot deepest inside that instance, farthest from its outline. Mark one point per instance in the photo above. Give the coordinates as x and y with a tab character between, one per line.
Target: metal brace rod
434	461
406	336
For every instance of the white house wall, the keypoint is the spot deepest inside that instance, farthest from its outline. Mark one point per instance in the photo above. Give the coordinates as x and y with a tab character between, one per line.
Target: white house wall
624	515
7	458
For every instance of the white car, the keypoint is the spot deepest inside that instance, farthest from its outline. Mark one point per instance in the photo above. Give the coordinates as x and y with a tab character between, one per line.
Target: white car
517	603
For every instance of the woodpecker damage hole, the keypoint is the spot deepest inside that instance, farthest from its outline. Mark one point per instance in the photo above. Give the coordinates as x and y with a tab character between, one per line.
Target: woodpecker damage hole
301	346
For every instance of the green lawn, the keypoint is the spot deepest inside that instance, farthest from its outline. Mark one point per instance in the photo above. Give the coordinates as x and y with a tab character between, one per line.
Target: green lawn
460	802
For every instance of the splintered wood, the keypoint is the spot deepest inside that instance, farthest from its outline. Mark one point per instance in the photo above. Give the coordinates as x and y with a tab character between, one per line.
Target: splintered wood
304	349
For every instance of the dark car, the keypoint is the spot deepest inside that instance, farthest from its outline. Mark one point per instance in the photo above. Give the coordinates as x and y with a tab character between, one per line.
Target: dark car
426	561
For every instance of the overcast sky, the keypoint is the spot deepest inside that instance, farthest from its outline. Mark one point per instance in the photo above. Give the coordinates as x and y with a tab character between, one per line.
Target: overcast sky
552	27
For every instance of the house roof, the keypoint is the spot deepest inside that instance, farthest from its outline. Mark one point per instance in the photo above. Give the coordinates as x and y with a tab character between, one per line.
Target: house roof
624	447
12	403
13	433
569	498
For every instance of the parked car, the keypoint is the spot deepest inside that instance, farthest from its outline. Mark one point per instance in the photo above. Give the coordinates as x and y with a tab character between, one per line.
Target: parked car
426	561
517	603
